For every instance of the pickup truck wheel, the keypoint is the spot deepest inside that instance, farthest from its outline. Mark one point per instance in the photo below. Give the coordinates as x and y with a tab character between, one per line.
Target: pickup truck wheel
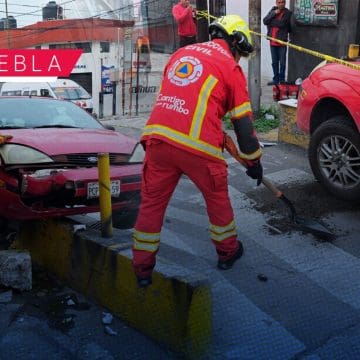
334	155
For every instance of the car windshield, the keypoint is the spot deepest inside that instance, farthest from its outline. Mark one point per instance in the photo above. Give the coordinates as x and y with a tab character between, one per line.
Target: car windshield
71	93
39	112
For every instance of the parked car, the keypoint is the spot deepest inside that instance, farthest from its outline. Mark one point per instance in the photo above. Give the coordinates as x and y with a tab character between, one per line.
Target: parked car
64	89
48	162
329	111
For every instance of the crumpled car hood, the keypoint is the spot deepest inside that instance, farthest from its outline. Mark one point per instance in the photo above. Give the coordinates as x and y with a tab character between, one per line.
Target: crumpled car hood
53	141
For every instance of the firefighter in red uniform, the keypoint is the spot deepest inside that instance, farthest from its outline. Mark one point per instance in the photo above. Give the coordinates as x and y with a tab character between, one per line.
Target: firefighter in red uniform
201	83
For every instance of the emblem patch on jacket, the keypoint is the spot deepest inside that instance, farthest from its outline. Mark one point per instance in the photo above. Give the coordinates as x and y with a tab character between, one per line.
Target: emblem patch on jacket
185	71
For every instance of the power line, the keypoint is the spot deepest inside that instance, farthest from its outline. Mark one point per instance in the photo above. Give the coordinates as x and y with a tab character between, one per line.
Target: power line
24	5
34	12
128	7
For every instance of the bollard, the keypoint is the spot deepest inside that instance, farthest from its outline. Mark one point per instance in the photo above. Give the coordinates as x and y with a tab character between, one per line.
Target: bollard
105	195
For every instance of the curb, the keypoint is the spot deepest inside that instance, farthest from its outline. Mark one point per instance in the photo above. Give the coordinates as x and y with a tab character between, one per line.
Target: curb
288	129
175	310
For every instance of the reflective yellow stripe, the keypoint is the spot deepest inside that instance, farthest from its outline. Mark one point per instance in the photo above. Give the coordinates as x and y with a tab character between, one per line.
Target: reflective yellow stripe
146	237
183	139
146	247
252	156
223	236
201	106
146	241
239	111
219	229
219	233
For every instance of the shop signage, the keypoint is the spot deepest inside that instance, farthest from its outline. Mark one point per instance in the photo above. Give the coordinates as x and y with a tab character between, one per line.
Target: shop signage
316	12
37	63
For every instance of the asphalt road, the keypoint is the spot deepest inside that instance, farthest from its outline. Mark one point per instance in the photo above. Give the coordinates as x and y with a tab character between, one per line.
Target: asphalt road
291	296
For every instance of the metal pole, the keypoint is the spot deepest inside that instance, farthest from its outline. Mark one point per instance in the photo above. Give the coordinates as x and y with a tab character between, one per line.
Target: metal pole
114	97
7	25
254	78
101	94
137	77
208	10
105	195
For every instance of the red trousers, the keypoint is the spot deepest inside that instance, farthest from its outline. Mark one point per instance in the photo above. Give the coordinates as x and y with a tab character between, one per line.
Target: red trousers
163	166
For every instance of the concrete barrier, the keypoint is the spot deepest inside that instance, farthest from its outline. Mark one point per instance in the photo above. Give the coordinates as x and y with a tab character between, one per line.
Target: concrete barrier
288	130
175	310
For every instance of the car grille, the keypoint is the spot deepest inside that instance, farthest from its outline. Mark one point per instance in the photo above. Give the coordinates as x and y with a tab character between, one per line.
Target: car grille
89	159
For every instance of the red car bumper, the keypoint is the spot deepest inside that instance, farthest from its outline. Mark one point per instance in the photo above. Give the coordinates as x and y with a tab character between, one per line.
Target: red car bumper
65	192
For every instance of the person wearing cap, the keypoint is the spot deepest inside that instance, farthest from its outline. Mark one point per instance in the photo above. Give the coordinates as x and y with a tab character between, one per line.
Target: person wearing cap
183	136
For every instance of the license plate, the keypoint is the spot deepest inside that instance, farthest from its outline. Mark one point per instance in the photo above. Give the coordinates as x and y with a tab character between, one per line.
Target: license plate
93	189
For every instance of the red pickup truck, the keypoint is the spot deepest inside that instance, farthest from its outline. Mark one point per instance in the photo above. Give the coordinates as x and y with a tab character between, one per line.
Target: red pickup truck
329	111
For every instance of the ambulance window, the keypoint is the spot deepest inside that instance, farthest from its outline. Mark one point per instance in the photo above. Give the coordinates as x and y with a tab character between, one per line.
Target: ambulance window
44	92
104	46
12	93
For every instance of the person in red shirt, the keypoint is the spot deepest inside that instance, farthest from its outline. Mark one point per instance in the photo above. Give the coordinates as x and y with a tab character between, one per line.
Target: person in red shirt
183	135
185	16
278	27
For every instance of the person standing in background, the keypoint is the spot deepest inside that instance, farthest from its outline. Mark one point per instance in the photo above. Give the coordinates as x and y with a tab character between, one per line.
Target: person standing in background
185	16
278	27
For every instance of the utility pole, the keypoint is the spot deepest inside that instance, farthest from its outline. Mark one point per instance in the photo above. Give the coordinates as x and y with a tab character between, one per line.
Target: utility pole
255	59
7	25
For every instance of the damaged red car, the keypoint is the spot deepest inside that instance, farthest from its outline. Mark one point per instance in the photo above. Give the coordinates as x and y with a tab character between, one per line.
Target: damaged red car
328	110
48	162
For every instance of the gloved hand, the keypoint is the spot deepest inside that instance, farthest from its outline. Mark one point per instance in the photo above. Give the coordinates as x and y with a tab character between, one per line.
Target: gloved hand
255	171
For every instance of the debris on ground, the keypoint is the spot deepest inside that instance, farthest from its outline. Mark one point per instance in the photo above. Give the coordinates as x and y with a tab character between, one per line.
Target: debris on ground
107	318
108	330
15	269
262	277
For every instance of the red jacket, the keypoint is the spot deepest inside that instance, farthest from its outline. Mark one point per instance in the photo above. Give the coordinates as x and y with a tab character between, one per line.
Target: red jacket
184	18
201	83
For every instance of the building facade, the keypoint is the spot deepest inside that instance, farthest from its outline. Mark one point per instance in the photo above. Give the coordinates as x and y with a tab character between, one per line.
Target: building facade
126	43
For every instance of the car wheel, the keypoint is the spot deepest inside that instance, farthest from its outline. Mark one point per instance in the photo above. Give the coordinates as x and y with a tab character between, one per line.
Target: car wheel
334	155
124	219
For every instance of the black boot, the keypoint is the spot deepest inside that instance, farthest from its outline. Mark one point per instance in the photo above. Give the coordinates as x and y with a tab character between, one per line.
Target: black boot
227	264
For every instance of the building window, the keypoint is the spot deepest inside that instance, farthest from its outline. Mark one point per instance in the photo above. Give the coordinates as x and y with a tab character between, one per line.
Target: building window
85	46
104	46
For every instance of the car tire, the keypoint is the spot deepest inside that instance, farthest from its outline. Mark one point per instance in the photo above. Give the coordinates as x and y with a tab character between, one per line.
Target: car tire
334	156
124	219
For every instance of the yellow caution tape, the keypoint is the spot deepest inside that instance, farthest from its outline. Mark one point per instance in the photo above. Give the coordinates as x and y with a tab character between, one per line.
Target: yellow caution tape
329	58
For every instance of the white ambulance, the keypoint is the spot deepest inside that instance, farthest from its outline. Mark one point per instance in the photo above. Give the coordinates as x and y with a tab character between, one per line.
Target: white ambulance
65	89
